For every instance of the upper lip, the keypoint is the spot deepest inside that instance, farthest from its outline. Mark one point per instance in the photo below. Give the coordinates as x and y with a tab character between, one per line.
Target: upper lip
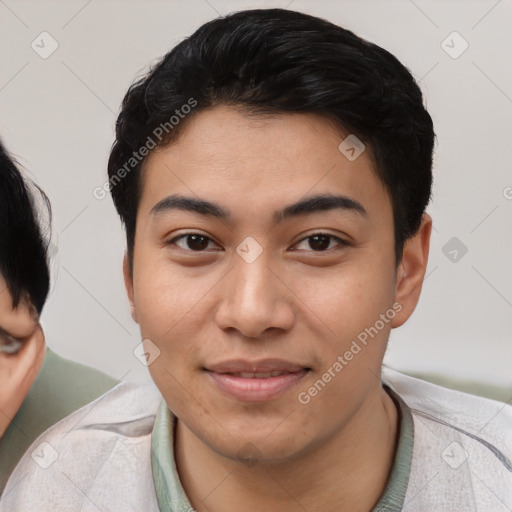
260	366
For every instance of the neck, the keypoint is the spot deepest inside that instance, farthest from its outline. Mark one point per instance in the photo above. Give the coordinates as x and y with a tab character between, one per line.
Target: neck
346	472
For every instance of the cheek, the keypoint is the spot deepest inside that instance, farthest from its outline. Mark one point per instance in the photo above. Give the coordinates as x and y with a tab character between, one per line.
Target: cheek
350	297
166	299
171	311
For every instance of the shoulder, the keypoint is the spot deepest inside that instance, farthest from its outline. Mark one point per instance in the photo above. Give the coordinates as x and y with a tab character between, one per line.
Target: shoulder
462	453
96	458
454	407
61	387
67	370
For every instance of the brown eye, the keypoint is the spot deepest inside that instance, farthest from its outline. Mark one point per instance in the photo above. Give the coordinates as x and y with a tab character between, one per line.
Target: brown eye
321	242
191	242
197	242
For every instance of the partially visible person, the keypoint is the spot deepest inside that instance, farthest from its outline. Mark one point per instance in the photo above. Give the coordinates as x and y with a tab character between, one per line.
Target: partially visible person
38	388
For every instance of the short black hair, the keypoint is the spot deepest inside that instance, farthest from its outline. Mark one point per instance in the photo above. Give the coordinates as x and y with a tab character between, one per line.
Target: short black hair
23	249
272	61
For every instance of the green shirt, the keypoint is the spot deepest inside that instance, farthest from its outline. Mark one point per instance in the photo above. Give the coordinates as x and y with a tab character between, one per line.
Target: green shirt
61	387
171	495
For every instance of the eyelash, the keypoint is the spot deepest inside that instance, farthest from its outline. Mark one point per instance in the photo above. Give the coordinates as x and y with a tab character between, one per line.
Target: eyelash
340	241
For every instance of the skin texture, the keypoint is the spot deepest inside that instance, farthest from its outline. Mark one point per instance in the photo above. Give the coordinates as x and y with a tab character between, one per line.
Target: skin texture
18	371
293	303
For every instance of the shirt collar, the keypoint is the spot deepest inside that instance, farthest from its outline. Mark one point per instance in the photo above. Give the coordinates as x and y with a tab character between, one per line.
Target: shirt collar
171	495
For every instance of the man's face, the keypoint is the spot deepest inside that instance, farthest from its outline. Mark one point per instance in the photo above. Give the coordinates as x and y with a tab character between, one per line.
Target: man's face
222	297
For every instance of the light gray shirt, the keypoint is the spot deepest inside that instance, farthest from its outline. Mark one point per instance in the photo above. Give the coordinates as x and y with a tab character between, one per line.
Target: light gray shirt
454	454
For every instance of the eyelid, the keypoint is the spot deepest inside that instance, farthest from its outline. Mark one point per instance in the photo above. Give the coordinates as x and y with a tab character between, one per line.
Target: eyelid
341	241
173	240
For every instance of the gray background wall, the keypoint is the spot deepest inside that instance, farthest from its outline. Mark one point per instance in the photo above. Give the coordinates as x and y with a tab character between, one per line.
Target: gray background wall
58	113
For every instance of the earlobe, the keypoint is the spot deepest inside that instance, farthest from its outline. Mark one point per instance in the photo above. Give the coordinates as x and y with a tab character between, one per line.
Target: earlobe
411	271
128	284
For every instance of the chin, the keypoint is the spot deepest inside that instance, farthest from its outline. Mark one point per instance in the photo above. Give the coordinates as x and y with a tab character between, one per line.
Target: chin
254	450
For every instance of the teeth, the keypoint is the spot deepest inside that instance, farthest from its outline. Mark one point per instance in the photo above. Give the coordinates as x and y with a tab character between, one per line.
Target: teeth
260	375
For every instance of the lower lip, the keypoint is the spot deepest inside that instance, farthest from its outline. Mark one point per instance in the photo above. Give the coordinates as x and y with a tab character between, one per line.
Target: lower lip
256	390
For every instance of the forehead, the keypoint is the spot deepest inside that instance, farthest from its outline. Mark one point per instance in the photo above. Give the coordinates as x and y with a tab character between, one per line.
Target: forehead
254	161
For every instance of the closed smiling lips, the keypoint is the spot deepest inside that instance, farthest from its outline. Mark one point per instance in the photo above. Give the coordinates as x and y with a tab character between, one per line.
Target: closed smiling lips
256	381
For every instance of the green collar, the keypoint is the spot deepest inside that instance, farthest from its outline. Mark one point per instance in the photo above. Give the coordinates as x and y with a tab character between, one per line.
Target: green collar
171	495
392	499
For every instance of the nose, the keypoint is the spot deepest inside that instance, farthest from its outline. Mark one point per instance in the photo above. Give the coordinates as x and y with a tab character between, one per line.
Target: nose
255	302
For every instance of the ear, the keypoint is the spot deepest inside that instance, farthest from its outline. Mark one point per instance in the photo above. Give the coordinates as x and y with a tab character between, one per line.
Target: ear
411	271
128	284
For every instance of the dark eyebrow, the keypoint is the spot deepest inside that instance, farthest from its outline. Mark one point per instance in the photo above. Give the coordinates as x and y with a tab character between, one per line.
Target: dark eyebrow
190	204
307	206
320	203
